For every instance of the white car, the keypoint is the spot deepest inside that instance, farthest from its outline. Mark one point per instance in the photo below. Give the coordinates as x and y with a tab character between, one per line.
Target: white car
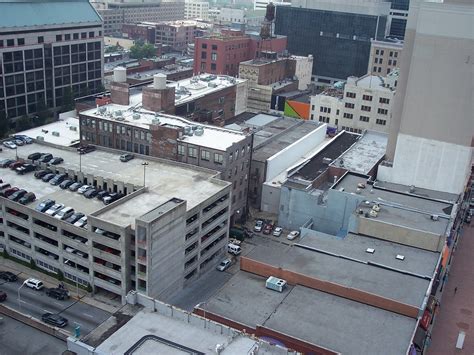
18	142
81	222
293	235
224	265
84	188
9	144
34	284
258	226
277	231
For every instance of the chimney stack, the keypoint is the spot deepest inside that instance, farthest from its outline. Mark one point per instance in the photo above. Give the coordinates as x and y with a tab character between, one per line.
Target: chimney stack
159	97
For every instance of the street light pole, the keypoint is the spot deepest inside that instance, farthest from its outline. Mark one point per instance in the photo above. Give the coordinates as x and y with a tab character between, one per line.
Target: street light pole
16	152
145	164
19	299
80	162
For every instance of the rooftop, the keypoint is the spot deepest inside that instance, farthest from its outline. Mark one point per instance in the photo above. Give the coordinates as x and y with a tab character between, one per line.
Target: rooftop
313	316
333	92
364	154
374	82
33	13
148	74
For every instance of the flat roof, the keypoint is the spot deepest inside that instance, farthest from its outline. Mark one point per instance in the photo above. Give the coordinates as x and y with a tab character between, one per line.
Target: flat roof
169	335
418	191
164	180
313	316
417	261
213	137
148	74
344	271
364	154
67	129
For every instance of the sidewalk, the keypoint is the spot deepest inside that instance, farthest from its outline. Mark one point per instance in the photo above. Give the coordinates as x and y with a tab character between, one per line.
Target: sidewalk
51	282
456	311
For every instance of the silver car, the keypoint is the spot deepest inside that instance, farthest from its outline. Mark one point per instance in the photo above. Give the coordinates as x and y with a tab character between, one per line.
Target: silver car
224	265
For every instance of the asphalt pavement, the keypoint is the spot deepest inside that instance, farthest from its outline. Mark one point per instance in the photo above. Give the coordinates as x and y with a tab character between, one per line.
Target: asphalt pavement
35	303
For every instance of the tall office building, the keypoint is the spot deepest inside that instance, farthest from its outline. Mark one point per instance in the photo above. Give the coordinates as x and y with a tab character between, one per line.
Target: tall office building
431	132
398	18
338	34
46	48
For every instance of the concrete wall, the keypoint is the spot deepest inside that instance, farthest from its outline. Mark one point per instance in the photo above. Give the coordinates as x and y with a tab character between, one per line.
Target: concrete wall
241	98
270	198
288	156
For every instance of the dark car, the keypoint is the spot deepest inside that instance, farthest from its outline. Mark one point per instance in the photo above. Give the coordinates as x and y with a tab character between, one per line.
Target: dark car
40	173
84	149
8	191
16	164
268	228
48	177
75	217
45	205
35	156
126	157
3	296
45	158
28	198
25	168
75	186
23	138
58	293
59	178
8	276
5	163
56	161
66	183
54	319
101	194
112	198
91	193
17	195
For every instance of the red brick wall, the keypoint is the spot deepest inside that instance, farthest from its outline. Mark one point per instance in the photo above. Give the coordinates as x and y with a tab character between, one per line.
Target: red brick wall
295	278
164	142
158	100
119	93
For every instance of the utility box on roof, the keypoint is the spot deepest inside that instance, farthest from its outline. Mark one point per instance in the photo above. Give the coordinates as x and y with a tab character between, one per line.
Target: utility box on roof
276	284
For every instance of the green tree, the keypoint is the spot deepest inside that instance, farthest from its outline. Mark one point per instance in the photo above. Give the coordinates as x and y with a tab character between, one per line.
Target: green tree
23	123
68	100
136	52
32	264
148	51
140	51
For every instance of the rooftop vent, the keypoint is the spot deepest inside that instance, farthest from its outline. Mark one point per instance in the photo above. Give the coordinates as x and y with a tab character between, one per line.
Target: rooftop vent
400	257
376	208
276	284
434	217
370	250
136	116
361	185
327	161
373	213
55	133
73	128
199	131
155	121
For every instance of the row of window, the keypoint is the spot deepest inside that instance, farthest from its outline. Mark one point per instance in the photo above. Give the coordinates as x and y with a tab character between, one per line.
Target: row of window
205	155
381	111
67	37
391	54
353	95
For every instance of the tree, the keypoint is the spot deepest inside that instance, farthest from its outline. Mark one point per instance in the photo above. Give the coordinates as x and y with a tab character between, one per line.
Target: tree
23	123
68	100
148	50
140	51
136	52
42	113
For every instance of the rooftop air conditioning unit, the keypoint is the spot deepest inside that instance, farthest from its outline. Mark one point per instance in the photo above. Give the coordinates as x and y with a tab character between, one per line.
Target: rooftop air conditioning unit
73	128
136	116
376	208
276	284
434	217
373	213
55	133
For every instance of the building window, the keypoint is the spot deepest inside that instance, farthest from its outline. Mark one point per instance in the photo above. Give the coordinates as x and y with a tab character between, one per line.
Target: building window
348	115
382	111
365	108
367	97
324	119
84	35
349	105
213	56
352	95
377	52
364	119
10	42
21	41
383	100
213	66
376	61
218	159
204	46
325	109
59	38
214	47
192	152
203	67
75	36
381	53
391	54
205	155
381	122
203	55
91	34
180	149
375	70
394	62
396	54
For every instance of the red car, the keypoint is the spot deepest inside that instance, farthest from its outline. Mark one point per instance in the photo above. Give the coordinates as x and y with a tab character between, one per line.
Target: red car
9	191
268	228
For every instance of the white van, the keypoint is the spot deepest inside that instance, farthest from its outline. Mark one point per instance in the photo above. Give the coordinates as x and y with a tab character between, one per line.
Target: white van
234	249
65	213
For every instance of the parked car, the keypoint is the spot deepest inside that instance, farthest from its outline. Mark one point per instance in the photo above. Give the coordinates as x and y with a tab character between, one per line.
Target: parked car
84	188
25	168
101	194
126	157
84	149
234	249
112	198
75	217
8	276
23	138
293	235
3	296
58	293
5	163
56	161
75	186
224	265
8	191
4	186
66	183
48	177
45	205
35	156
258	225
34	284
17	195
41	173
18	142
54	209
54	319
27	198
16	164
277	231
59	178
268	228
64	214
9	144
91	193
45	158
81	222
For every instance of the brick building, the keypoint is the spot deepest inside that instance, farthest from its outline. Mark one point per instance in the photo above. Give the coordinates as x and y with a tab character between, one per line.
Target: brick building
221	53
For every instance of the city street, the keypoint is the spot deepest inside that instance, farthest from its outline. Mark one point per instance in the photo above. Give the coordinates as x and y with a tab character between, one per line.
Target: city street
35	303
